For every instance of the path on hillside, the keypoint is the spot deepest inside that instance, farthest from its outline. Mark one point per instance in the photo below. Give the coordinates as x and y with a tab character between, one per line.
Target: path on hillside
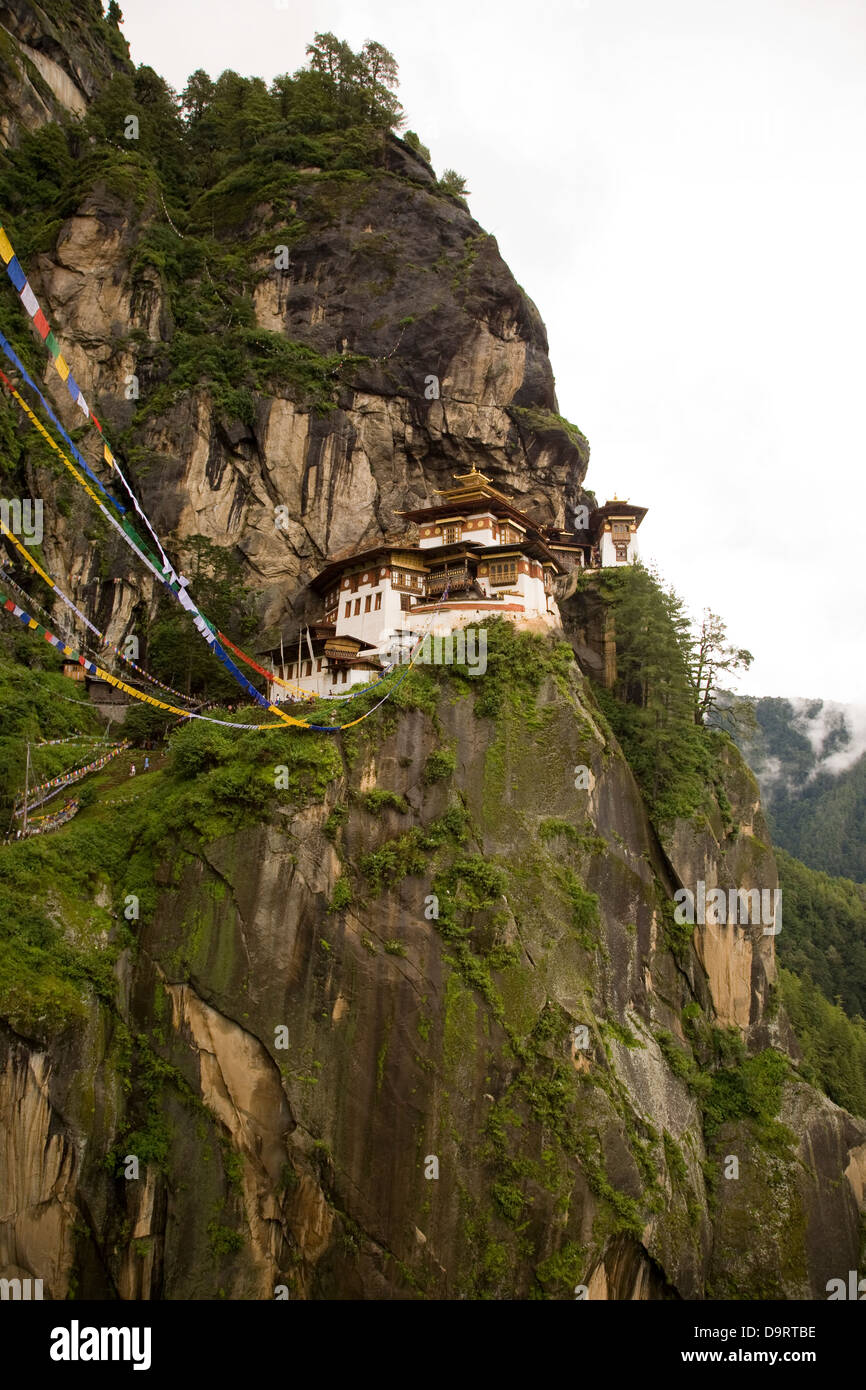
114	776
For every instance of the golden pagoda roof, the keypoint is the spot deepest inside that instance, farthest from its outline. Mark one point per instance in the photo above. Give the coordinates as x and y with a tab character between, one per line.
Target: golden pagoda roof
470	485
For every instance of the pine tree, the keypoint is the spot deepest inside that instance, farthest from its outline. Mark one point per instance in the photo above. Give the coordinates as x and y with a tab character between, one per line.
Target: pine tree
380	83
713	656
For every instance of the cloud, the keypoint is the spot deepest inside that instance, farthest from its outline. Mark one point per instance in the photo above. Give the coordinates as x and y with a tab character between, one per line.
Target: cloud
771	772
827	722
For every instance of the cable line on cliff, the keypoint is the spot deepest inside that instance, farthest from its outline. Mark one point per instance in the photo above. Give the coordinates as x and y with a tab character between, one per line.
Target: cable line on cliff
24	552
176	584
166	574
135	543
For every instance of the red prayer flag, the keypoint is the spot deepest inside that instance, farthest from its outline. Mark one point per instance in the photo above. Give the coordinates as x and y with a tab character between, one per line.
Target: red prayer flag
41	323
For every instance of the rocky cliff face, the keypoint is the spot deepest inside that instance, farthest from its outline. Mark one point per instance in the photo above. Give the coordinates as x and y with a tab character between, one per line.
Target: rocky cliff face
334	1090
374	256
429	1029
53	60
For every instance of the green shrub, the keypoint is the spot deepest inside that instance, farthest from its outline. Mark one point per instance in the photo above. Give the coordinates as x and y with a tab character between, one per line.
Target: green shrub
452	826
453	183
223	1240
440	765
342	897
585	917
378	799
564	1269
676	1164
336	820
510	1201
386	866
553	826
414	143
751	1091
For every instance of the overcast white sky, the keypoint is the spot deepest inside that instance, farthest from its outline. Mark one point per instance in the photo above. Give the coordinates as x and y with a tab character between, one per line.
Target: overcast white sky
680	186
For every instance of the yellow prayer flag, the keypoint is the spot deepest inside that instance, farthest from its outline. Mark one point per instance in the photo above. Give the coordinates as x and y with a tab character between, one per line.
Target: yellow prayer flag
5	247
108	455
62	367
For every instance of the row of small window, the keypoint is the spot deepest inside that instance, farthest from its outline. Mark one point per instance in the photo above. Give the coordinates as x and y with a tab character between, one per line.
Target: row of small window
410	579
305	668
508	535
367	604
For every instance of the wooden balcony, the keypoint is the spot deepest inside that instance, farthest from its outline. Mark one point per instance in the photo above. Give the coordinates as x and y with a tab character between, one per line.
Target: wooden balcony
453	580
502	577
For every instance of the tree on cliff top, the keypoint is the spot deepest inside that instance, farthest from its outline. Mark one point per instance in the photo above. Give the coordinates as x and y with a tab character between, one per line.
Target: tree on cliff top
362	85
331	113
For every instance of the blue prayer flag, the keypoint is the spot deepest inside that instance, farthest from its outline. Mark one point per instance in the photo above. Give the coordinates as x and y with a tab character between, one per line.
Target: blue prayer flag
16	274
